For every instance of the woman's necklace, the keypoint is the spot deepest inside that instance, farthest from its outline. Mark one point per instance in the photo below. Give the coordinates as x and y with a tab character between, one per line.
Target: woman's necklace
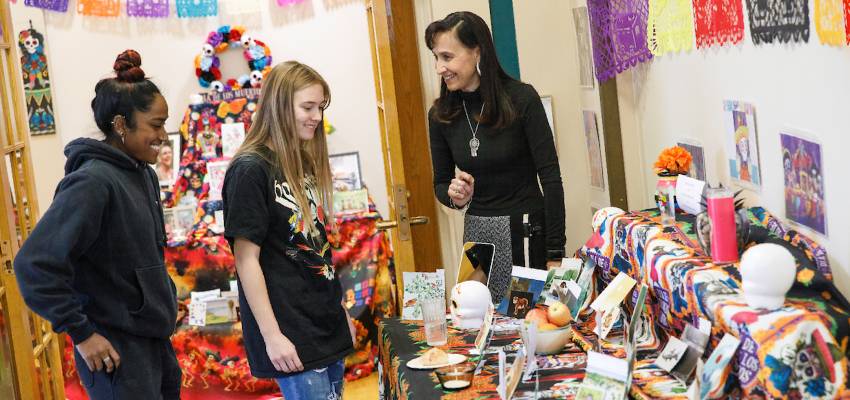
474	142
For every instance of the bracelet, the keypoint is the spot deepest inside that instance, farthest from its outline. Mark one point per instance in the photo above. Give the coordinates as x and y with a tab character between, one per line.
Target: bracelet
453	205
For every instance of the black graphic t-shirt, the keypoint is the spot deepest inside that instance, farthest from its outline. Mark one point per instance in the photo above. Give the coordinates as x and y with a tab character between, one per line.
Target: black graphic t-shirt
304	293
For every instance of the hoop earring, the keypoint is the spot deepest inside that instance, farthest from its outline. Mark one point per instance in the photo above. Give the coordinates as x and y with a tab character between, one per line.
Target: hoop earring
478	67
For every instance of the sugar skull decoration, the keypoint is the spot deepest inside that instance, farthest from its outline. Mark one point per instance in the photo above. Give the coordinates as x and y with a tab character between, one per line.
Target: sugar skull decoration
768	271
208	64
469	302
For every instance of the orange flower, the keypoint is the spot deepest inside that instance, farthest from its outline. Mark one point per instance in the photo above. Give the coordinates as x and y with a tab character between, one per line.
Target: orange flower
673	161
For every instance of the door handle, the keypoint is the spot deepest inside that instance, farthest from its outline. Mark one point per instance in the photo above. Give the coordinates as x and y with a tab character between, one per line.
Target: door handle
384	225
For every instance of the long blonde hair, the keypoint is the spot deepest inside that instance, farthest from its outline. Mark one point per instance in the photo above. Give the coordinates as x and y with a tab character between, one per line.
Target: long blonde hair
274	127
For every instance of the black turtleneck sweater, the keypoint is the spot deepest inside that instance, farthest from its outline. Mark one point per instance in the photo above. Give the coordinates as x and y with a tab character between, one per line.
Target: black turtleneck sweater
509	161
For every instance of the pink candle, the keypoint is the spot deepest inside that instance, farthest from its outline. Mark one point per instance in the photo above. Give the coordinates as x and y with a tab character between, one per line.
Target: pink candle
721	211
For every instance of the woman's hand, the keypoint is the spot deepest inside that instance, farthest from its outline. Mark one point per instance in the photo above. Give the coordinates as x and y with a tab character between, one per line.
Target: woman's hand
553	264
99	353
282	353
461	189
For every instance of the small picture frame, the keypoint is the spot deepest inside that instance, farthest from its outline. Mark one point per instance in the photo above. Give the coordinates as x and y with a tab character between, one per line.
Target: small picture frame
167	164
179	222
345	171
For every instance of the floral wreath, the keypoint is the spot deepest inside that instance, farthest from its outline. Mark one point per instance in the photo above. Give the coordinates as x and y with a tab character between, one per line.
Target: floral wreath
207	63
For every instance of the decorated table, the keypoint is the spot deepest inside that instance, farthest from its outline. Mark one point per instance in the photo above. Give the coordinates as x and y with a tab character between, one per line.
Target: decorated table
797	351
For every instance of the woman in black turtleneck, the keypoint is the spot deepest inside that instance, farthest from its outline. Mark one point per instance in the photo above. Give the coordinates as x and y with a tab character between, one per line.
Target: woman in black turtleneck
493	129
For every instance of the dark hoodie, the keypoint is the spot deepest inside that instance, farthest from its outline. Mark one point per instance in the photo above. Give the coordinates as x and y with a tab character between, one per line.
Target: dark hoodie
96	257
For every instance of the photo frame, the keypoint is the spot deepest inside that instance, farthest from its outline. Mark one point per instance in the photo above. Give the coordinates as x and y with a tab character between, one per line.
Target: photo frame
594	150
585	59
179	222
167	165
742	147
345	171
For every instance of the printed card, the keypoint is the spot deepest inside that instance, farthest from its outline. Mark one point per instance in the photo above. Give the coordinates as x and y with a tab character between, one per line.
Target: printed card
672	353
232	136
484	332
198	313
614	293
421	285
715	367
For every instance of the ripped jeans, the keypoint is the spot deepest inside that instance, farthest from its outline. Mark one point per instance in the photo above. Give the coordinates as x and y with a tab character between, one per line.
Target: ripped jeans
317	384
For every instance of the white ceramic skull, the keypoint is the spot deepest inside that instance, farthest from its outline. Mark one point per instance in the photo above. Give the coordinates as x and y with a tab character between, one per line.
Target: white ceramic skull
768	271
31	44
469	303
207	50
256	78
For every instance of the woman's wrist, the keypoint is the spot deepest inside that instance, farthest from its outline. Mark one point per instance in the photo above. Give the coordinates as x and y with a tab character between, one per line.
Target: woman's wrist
554	254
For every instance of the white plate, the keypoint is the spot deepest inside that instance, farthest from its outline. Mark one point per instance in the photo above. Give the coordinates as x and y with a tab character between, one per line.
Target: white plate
416	363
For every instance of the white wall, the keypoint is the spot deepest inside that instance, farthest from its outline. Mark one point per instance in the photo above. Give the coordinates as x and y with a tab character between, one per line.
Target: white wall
331	35
803	85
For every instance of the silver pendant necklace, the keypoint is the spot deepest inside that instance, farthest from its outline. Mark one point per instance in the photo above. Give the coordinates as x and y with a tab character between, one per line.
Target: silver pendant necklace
474	143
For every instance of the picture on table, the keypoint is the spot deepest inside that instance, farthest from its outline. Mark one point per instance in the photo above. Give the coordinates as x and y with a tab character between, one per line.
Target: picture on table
594	150
345	171
232	136
520	304
168	161
697	170
802	164
742	143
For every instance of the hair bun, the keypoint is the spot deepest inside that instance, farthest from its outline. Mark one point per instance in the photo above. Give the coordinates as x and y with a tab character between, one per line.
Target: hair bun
127	66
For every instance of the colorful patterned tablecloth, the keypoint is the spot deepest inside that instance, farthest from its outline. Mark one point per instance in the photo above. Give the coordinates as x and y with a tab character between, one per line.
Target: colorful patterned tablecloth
798	351
401	341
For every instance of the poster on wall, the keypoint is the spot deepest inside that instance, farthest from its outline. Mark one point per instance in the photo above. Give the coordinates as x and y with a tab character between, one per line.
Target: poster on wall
36	76
168	160
594	150
345	171
585	60
694	147
742	147
802	164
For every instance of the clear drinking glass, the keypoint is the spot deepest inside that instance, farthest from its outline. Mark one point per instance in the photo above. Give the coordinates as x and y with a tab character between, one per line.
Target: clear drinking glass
434	321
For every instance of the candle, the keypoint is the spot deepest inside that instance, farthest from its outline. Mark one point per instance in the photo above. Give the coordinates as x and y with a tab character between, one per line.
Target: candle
456	384
721	211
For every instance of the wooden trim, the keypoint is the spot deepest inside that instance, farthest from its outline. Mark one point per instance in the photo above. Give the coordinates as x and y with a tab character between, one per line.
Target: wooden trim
614	161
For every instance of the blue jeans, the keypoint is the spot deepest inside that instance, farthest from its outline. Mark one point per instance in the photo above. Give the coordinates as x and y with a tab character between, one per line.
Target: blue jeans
317	384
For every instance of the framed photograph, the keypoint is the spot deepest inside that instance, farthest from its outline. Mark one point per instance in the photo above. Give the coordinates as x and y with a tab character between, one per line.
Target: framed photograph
182	222
742	148
345	171
585	59
232	136
168	161
802	164
520	304
215	178
350	202
694	147
594	150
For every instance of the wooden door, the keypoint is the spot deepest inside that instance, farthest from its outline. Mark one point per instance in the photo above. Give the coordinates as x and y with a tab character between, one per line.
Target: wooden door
404	138
30	361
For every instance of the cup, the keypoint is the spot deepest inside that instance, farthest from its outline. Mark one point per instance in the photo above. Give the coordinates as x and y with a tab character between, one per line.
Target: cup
434	321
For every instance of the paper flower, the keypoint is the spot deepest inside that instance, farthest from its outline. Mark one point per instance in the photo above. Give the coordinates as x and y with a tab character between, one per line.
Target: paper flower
673	161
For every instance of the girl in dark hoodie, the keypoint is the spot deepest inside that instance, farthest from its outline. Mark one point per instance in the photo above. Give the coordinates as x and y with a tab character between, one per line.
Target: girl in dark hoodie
94	264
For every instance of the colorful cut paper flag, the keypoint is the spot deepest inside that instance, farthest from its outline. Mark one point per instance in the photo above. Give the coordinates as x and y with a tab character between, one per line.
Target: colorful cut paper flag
718	22
670	27
196	8
829	22
780	20
99	8
618	31
52	5
147	8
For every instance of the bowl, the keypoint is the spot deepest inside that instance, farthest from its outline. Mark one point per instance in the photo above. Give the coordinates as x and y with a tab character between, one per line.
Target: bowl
552	341
456	377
